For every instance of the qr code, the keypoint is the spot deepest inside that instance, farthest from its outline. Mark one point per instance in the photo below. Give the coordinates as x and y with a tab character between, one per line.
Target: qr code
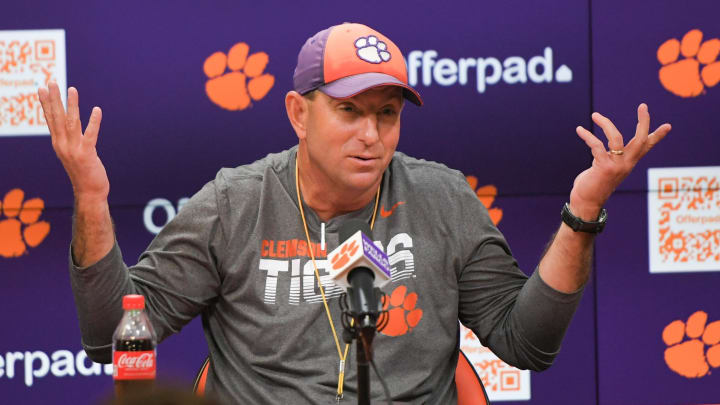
498	376
691	200
501	381
28	60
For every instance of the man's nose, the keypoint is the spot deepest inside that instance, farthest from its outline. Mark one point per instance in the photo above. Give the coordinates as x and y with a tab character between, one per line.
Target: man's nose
369	133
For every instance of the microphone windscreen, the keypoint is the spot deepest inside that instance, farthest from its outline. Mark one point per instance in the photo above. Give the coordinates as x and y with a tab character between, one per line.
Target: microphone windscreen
348	229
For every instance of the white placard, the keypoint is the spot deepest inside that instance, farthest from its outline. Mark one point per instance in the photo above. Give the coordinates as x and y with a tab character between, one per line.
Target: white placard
29	59
502	381
684	219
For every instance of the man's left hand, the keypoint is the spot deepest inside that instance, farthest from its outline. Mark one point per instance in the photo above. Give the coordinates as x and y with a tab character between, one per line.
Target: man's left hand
594	186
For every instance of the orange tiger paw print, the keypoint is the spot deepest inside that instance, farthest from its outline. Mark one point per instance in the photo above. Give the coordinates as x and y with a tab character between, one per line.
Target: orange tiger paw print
684	78
343	257
403	314
487	195
232	91
14	240
689	358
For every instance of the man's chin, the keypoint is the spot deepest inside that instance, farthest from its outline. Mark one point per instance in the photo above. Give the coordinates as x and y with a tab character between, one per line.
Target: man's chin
364	181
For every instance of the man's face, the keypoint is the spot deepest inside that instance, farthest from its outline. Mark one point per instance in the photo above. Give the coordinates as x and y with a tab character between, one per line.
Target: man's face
351	141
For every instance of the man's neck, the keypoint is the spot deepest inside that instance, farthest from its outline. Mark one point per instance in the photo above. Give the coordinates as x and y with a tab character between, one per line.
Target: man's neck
326	198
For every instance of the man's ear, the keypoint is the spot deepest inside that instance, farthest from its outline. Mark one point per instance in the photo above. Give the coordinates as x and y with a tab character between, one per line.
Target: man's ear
297	108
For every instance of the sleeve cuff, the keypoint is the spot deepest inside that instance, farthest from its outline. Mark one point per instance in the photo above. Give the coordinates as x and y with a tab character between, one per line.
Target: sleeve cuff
544	313
552	293
98	354
112	258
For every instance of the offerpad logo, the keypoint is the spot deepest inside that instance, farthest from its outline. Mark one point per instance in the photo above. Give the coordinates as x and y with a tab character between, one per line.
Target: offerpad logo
486	71
28	59
699	68
693	346
236	78
502	381
20	225
487	195
684	219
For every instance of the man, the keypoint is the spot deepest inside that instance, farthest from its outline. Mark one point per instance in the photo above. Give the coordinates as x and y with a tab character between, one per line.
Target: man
225	253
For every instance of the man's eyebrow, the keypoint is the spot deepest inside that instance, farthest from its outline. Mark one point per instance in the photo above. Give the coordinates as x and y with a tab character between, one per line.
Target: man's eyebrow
392	103
399	96
399	99
342	101
334	100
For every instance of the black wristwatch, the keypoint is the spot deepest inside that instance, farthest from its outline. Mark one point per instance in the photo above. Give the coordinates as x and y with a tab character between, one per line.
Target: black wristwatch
578	224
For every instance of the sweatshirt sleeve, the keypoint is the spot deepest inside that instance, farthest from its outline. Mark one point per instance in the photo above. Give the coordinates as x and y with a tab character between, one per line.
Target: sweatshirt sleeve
522	320
178	274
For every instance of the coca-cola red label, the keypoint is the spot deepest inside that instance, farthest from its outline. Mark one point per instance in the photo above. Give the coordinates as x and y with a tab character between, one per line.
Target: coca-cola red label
134	365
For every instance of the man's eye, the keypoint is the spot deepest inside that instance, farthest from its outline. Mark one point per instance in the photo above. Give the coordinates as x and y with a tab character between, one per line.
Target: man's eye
388	111
347	108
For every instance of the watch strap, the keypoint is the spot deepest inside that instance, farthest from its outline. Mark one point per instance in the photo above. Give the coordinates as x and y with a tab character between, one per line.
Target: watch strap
578	225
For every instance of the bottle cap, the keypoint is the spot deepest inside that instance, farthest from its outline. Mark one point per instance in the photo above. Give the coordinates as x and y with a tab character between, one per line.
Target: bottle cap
133	301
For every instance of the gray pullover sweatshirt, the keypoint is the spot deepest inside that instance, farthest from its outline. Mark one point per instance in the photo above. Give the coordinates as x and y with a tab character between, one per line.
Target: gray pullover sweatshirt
236	254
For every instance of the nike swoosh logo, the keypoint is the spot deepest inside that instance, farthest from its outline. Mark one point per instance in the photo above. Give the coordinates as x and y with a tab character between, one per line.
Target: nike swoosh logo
386	214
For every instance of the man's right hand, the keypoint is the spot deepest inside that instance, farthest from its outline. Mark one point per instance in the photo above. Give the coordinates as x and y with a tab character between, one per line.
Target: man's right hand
93	234
75	150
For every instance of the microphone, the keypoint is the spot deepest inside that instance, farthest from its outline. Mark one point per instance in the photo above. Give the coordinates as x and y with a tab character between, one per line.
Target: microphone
359	266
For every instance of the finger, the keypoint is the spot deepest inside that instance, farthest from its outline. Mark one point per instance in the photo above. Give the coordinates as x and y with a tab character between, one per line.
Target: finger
57	131
657	135
72	123
615	140
636	147
44	97
57	110
652	139
73	113
643	125
56	104
596	146
93	127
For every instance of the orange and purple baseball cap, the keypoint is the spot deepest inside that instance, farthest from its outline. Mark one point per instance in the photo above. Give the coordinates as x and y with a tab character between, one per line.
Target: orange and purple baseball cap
347	59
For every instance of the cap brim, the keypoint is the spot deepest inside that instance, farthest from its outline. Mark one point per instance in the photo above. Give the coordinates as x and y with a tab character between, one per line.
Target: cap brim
356	84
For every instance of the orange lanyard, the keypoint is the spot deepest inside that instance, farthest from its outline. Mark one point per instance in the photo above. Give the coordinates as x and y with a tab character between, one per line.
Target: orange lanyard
342	354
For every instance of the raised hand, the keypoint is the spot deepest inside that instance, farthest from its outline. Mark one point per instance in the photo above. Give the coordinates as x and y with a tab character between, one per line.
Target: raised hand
75	149
594	186
93	234
566	264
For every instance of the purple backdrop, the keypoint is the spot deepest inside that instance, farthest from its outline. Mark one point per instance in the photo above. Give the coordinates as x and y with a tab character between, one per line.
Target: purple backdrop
162	137
633	305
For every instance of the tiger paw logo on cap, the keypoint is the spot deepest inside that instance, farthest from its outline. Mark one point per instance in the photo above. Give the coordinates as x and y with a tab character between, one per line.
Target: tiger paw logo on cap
371	50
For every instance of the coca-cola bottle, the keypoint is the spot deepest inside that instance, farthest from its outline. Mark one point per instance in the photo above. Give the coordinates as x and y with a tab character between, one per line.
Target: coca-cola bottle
134	352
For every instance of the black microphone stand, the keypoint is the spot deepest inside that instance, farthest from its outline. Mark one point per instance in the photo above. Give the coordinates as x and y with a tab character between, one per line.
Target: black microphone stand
364	357
362	317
